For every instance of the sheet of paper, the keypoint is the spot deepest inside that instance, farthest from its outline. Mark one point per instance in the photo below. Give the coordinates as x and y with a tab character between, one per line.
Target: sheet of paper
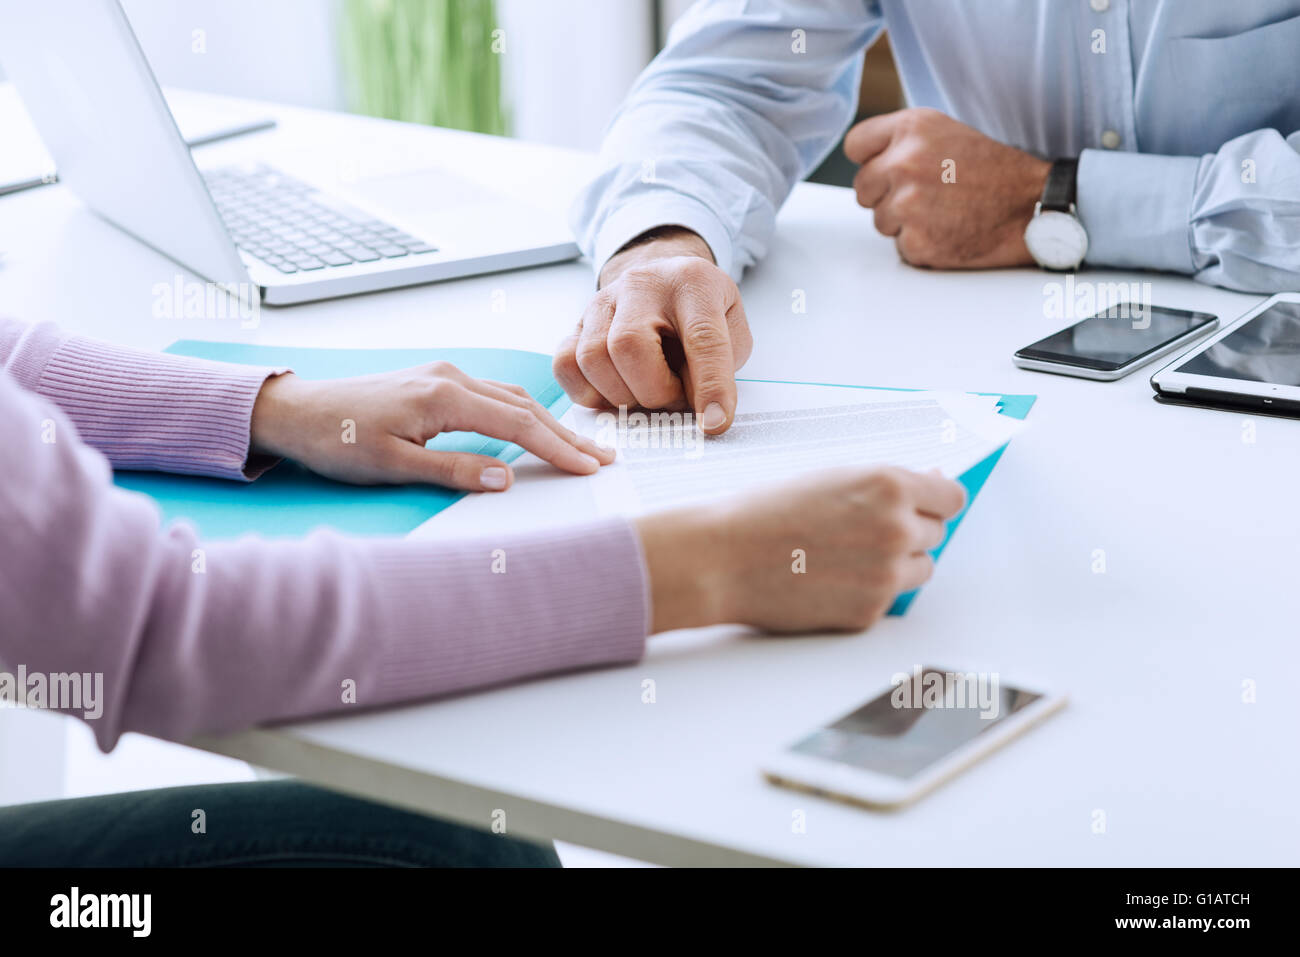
785	431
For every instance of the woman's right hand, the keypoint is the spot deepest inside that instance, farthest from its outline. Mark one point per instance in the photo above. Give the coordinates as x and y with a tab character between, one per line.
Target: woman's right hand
828	552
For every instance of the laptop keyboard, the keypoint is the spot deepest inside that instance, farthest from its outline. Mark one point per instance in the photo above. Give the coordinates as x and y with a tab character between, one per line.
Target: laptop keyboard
294	227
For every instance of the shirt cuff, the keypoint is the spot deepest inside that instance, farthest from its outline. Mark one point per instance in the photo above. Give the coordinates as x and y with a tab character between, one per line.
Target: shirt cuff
158	412
1137	209
665	208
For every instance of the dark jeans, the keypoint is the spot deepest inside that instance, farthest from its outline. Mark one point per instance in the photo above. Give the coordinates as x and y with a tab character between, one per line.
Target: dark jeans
281	823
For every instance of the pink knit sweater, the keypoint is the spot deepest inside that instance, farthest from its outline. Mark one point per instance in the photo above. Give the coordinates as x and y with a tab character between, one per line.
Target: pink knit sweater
254	631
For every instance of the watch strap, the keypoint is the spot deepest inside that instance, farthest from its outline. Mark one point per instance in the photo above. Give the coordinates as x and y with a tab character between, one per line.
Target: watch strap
1059	192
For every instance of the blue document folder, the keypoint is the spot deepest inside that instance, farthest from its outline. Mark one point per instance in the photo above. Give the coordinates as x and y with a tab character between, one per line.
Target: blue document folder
290	501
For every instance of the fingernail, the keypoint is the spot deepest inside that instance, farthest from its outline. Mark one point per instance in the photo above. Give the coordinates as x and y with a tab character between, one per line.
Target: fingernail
590	462
713	417
494	479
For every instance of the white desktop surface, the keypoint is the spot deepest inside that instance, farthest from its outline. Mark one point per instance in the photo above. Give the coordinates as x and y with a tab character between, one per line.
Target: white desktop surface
1200	531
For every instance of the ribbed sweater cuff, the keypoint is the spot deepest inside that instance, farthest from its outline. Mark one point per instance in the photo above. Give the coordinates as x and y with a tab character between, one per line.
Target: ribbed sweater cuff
544	602
154	411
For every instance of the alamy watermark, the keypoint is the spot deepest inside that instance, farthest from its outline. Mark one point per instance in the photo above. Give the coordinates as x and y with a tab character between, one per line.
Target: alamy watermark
928	688
54	691
189	299
650	430
1074	301
133	912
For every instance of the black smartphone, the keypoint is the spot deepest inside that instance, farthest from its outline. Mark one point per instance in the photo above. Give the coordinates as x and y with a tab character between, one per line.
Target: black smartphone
1115	341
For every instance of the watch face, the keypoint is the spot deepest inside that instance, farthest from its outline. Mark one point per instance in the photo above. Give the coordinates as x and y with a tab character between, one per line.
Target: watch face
1056	240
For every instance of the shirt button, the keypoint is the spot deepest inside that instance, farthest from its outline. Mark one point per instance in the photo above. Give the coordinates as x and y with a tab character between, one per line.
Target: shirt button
1101	6
1109	139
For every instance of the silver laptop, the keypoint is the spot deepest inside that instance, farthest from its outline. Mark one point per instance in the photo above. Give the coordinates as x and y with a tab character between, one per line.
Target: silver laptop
89	90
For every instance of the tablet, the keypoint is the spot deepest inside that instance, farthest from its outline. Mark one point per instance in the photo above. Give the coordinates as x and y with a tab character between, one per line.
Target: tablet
1253	364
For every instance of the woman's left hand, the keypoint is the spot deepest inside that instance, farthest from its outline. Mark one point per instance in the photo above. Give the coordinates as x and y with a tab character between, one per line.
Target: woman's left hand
372	429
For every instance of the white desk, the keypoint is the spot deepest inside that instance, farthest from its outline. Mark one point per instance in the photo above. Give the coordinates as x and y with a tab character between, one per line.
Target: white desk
1199	530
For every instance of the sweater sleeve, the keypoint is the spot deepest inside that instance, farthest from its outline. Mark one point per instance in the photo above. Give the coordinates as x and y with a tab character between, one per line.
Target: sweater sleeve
192	638
143	410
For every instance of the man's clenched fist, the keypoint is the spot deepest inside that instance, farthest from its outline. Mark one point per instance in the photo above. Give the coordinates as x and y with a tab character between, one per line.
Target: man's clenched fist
952	197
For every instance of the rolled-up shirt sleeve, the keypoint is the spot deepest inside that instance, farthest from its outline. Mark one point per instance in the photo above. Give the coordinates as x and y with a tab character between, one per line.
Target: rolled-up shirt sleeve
1229	218
745	100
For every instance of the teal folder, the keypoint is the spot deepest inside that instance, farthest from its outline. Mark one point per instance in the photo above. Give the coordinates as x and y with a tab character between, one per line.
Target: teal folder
290	501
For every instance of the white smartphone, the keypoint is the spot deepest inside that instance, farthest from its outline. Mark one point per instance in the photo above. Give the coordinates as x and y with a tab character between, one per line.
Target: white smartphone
1115	341
926	727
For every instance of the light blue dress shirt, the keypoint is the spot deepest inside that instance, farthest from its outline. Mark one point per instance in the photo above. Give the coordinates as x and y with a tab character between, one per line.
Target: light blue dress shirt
1185	115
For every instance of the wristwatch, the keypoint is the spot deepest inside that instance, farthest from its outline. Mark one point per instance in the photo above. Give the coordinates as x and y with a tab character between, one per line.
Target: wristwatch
1055	236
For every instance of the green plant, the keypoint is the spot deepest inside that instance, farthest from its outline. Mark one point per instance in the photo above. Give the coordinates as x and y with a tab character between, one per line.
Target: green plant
425	61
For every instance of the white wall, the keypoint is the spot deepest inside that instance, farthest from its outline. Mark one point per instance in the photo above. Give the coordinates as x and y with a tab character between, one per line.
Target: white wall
280	50
566	67
568	64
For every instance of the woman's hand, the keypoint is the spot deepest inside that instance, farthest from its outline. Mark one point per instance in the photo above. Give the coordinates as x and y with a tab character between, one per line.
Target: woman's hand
372	429
831	551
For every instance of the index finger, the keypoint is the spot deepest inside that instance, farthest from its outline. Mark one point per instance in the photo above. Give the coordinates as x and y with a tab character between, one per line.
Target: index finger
500	419
870	137
709	375
518	395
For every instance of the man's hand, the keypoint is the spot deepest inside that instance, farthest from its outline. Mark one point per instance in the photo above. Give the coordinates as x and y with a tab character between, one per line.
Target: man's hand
952	197
372	429
666	330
